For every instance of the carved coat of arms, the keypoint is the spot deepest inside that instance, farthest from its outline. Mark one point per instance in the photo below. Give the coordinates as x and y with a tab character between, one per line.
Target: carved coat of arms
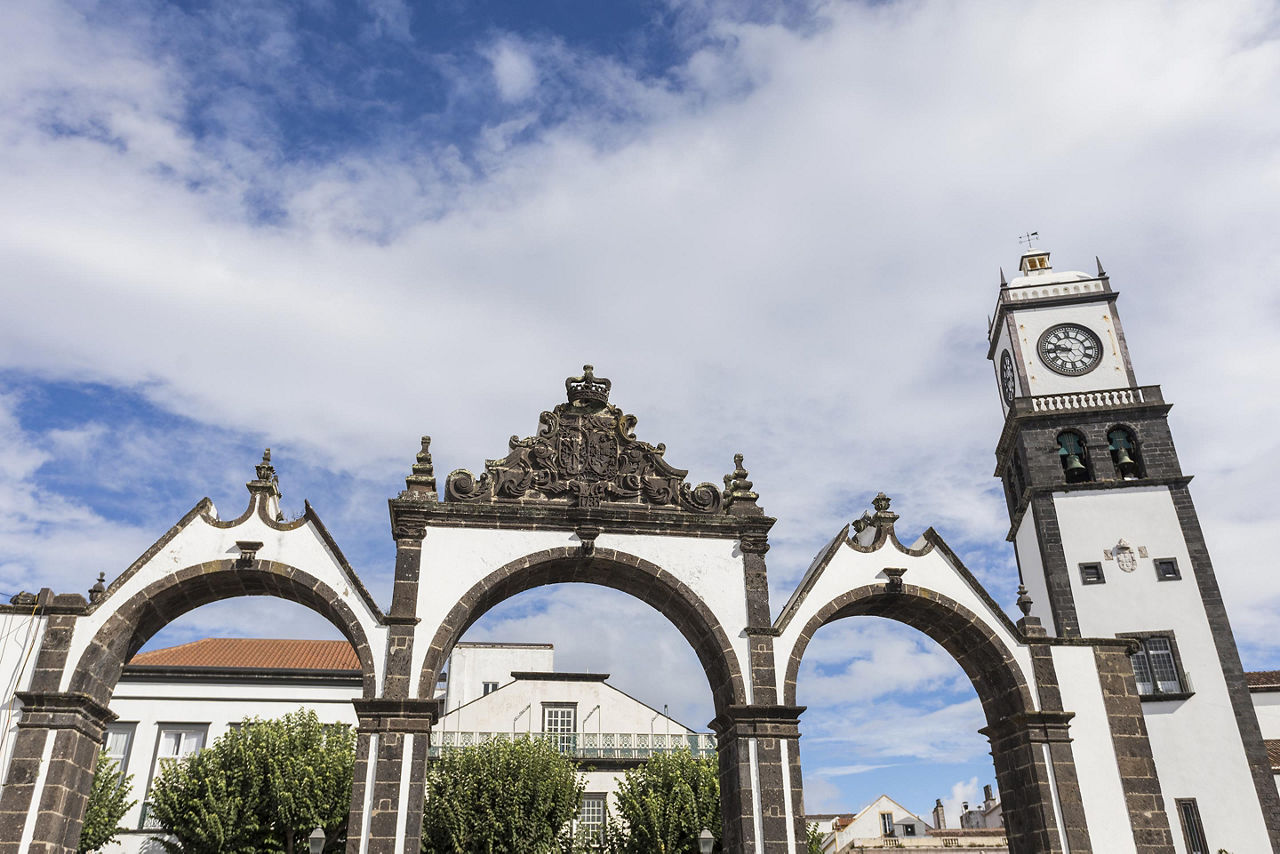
585	452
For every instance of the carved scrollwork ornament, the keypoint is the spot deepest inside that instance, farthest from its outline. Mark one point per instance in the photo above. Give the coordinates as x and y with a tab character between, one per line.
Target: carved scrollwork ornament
412	530
584	453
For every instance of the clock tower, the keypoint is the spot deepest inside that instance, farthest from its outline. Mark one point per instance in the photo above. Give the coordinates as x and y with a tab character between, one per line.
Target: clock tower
1108	545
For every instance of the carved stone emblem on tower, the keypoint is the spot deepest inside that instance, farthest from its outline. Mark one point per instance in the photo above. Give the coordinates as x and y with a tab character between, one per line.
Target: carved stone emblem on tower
1124	555
585	453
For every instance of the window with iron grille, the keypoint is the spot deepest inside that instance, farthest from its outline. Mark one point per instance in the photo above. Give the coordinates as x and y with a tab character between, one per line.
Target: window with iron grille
1167	569
1192	827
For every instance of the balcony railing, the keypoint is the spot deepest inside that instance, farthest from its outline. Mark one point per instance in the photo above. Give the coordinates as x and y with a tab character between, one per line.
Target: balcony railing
588	745
1106	399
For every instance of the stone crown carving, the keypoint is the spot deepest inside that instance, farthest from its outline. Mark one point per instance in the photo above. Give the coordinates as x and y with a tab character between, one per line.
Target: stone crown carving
585	454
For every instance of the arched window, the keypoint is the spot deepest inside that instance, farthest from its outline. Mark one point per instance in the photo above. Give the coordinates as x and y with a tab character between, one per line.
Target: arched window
1124	453
1074	457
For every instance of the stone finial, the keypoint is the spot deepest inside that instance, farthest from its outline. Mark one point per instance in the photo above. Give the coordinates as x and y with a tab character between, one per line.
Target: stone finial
422	482
1024	601
1004	283
884	517
265	471
1102	274
99	589
738	496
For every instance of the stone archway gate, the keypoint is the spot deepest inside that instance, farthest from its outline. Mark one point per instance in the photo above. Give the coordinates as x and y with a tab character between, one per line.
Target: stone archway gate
584	500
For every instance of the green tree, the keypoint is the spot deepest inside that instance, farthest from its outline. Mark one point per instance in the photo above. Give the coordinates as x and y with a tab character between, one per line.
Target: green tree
499	796
665	804
813	839
262	787
108	802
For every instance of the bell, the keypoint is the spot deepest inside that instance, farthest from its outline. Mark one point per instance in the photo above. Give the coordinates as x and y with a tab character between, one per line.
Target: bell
1074	468
1125	464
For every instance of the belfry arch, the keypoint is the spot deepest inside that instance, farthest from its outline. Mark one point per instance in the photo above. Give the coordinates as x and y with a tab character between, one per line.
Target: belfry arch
585	500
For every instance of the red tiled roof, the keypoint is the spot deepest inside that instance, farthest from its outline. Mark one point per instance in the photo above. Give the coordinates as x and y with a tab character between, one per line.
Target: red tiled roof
1263	679
1273	752
255	654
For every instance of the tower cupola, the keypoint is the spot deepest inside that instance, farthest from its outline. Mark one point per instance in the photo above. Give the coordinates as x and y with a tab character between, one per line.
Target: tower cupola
1035	262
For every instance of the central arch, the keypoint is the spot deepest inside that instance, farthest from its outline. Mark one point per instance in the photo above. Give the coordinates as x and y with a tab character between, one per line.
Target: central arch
607	568
1006	698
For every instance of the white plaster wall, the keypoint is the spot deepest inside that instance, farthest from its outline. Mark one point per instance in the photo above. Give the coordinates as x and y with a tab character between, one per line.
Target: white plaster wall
1096	769
20	637
516	707
1027	545
149	704
849	569
1032	322
199	541
455	559
1196	742
471	665
866	824
1266	704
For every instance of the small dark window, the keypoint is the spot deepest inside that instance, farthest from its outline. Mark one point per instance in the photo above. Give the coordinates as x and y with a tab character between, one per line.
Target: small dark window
1167	569
1192	827
490	687
1074	457
1091	573
1124	453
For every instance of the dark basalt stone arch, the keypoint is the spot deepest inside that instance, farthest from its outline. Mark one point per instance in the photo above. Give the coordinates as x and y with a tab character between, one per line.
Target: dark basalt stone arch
133	622
1014	727
986	660
608	568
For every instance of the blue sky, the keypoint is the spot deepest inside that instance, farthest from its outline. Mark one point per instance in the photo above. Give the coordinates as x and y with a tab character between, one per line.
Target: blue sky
331	227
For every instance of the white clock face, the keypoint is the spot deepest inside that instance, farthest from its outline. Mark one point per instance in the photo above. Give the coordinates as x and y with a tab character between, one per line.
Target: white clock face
1070	349
1008	382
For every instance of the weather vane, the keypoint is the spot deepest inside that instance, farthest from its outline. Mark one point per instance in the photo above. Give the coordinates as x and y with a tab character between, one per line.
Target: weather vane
1029	238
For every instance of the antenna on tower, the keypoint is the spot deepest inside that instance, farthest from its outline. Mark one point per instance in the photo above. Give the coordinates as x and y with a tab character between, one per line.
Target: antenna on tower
1029	238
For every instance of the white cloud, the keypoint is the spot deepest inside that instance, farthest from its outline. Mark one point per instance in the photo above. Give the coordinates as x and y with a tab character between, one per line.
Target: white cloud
962	792
514	71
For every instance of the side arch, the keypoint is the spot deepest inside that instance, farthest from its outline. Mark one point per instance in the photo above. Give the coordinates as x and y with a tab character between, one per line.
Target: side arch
1029	746
133	622
986	660
608	568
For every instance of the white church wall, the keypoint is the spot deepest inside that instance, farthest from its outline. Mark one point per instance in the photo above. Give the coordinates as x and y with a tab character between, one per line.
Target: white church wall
1195	741
1097	772
1031	565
